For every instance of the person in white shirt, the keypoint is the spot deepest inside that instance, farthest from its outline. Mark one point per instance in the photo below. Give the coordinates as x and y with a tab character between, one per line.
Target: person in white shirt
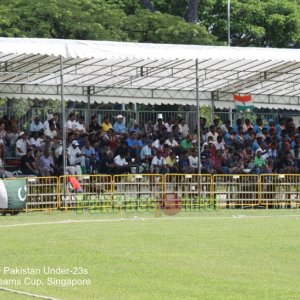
75	158
22	144
159	164
183	127
194	161
71	123
51	131
121	163
80	125
50	117
212	132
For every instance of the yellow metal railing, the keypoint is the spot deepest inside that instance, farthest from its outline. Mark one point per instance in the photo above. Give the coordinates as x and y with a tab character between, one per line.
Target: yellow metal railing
152	192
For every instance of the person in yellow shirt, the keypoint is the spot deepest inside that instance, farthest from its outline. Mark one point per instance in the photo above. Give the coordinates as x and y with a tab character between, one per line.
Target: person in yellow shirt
106	125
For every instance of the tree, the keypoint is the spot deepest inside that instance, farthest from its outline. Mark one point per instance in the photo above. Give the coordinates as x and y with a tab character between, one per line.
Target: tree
271	23
148	4
192	13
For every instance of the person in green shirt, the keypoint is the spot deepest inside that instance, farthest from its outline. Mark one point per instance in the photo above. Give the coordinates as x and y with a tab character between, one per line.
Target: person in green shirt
186	143
260	164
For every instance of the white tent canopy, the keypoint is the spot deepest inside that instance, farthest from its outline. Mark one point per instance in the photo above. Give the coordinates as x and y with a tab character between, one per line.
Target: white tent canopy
99	71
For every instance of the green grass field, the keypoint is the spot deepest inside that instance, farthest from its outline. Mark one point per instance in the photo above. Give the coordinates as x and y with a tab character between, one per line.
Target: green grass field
229	254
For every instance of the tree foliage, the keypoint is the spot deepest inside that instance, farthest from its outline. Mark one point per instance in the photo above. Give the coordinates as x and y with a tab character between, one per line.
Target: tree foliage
269	23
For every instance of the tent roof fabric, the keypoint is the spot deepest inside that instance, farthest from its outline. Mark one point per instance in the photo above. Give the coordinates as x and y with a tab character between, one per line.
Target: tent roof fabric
101	71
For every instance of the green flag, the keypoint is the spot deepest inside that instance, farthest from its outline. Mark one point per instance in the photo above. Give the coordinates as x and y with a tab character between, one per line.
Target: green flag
13	193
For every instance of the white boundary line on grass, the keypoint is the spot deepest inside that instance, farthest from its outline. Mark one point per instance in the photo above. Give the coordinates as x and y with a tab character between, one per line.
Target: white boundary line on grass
27	294
136	218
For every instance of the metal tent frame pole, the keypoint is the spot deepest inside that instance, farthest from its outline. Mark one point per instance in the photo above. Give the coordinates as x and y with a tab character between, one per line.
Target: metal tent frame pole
63	115
198	119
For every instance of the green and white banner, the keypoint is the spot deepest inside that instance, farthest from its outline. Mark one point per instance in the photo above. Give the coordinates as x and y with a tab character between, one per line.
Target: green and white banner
13	193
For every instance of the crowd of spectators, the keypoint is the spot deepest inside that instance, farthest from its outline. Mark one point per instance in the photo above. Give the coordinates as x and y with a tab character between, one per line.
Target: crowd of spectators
163	146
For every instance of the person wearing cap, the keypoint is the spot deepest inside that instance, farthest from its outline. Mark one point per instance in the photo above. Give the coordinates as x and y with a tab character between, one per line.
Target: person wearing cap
135	127
21	144
36	124
75	157
50	117
259	142
27	165
158	127
119	127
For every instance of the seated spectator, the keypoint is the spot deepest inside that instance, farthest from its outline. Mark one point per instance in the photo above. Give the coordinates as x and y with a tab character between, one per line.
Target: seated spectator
28	165
260	164
47	164
134	145
194	162
172	164
121	163
75	157
108	164
12	134
36	139
135	127
207	166
146	154
166	150
4	173
149	129
236	164
184	163
22	144
119	127
81	127
219	163
158	144
286	164
174	146
36	125
89	154
4	141
212	133
94	126
158	164
106	125
51	131
50	117
183	128
71	124
186	144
